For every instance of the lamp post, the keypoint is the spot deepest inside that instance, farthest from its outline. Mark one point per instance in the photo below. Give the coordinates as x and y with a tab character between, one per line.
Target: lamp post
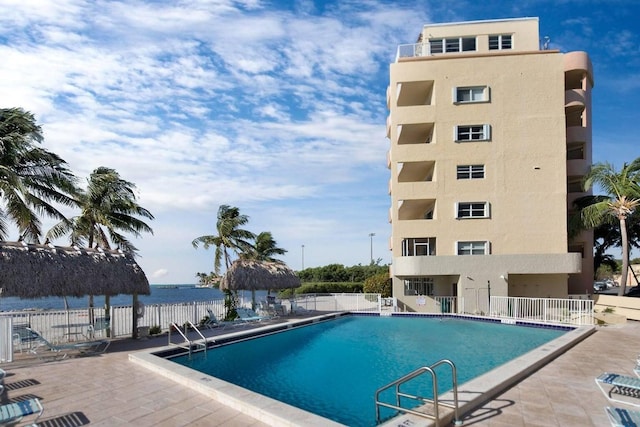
371	238
302	257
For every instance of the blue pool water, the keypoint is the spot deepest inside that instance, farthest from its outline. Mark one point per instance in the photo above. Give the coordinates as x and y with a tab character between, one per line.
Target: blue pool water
334	368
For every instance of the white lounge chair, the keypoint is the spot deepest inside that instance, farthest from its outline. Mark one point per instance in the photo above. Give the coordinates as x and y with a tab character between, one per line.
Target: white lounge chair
620	385
620	417
213	322
84	347
12	413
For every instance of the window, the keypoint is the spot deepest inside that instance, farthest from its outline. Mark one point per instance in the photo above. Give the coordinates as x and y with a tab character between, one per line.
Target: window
470	94
473	210
470	171
473	248
473	133
500	42
422	246
452	45
418	286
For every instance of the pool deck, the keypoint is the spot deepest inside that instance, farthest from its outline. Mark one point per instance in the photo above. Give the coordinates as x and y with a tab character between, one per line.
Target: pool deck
109	390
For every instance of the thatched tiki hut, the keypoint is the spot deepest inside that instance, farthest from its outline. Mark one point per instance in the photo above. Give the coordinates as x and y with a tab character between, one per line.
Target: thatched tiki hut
259	275
36	271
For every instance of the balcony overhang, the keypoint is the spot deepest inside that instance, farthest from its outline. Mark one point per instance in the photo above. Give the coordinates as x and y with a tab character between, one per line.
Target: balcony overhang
411	266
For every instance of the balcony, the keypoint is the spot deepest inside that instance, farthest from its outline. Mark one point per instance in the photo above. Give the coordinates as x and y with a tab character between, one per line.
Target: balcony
416	171
419	133
422	209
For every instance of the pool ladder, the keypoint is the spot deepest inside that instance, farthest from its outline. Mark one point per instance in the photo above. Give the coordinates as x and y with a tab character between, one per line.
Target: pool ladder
189	343
436	403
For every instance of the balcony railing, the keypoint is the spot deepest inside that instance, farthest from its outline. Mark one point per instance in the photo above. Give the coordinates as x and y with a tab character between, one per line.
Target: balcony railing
413	50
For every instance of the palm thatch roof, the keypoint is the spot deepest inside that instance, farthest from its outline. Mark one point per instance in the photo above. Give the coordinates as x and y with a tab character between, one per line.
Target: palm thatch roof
259	275
35	271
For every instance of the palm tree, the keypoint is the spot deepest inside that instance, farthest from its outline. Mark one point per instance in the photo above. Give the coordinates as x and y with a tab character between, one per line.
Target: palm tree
109	208
264	248
622	196
30	177
230	236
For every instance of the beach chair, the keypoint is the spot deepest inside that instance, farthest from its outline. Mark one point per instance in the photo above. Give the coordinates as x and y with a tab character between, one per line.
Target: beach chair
2	375
12	413
296	309
61	350
247	315
614	385
619	417
212	321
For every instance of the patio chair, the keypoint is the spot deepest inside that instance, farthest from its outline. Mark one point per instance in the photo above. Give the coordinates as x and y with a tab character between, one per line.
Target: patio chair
213	322
12	413
83	347
296	309
247	315
619	417
619	385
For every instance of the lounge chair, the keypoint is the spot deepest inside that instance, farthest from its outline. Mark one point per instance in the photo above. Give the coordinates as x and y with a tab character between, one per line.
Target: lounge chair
247	315
12	413
619	385
620	417
84	347
296	309
213	322
2	375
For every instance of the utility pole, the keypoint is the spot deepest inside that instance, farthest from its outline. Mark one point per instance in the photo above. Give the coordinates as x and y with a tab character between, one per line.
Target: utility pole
371	238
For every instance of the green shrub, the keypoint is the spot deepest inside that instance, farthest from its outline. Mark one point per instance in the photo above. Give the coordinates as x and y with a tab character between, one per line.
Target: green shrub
155	330
378	284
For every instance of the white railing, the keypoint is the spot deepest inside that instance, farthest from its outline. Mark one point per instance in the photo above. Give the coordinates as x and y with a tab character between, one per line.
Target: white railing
413	50
546	310
340	302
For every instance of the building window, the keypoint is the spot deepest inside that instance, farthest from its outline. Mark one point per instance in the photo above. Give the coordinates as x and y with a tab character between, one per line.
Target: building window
470	94
418	286
452	45
473	210
422	246
470	171
500	42
473	248
473	133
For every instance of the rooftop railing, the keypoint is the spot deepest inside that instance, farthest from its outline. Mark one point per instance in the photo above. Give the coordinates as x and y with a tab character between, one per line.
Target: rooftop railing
413	50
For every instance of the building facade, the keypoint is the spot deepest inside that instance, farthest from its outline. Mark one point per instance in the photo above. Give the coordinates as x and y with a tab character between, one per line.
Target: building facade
490	137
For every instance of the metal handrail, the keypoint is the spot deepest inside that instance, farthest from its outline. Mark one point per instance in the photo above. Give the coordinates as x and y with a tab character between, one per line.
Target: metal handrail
430	369
186	339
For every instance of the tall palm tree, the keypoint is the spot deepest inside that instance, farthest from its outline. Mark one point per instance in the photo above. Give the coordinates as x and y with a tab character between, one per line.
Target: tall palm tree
109	209
621	198
230	236
30	176
264	248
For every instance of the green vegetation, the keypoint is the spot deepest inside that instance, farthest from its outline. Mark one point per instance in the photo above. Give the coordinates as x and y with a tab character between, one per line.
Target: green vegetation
615	207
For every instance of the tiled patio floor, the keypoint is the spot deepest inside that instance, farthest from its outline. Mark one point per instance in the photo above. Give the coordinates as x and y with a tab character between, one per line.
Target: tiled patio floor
108	390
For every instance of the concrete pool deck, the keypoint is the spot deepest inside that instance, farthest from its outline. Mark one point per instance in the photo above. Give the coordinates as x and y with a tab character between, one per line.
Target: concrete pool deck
109	390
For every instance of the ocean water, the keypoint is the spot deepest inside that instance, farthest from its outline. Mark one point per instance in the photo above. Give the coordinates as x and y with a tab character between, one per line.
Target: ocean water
160	294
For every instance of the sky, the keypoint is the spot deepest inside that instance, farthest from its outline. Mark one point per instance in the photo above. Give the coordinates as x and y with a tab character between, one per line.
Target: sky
275	107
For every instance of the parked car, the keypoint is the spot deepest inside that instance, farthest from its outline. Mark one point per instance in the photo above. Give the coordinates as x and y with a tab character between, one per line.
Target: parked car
633	292
600	286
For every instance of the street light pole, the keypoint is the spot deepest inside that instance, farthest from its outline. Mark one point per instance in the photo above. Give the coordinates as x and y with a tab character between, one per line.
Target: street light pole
302	257
371	237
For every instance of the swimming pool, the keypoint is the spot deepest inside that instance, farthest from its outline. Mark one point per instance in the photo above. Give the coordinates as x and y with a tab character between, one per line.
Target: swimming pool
334	368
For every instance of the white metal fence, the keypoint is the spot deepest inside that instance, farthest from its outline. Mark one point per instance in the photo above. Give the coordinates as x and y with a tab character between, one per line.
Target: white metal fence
68	325
546	310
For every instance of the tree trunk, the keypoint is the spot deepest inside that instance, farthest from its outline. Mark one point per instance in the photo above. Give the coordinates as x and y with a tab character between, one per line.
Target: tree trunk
625	257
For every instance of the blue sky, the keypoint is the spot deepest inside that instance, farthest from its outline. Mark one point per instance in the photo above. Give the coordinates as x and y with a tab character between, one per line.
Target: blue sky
277	108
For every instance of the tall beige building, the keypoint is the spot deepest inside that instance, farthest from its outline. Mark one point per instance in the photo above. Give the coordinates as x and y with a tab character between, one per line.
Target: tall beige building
490	137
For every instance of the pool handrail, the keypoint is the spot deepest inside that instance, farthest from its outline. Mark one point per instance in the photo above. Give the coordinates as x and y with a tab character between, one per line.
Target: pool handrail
430	369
